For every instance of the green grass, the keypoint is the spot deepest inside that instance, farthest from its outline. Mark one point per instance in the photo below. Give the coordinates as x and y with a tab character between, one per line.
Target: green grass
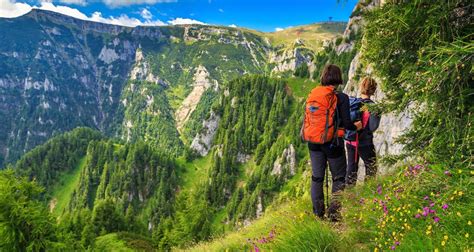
194	171
367	224
123	242
111	242
293	228
62	191
300	87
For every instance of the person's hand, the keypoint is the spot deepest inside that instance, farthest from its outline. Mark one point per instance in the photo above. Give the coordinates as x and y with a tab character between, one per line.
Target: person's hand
358	124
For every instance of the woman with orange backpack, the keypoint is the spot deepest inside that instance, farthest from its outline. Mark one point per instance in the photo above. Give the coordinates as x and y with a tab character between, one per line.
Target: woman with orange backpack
360	144
326	113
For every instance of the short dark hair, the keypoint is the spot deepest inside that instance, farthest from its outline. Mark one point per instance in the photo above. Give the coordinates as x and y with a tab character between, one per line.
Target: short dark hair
331	75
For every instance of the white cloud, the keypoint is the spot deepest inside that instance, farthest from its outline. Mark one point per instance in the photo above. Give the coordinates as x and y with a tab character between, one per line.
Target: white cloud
221	10
279	29
76	2
146	14
117	3
123	20
233	26
63	10
10	8
182	21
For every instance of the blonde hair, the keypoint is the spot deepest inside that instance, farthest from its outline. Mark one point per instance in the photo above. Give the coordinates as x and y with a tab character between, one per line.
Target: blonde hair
368	86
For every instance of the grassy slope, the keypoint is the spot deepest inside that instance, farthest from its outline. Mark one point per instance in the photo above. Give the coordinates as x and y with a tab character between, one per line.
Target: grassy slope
61	193
380	215
313	35
300	87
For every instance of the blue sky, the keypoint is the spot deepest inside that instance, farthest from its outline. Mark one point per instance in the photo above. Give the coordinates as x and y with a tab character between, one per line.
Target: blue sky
264	15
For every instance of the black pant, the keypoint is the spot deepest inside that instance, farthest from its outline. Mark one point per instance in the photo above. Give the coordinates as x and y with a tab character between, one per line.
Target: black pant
320	157
367	153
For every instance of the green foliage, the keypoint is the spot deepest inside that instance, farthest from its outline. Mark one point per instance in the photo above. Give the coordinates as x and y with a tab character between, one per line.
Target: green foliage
25	222
48	162
106	217
302	71
251	115
423	51
330	56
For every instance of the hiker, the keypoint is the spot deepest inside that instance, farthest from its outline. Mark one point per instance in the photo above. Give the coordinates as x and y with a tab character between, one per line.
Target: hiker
360	144
326	113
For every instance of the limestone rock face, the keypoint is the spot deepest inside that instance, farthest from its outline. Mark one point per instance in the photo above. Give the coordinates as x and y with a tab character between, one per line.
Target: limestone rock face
392	125
286	162
202	142
201	83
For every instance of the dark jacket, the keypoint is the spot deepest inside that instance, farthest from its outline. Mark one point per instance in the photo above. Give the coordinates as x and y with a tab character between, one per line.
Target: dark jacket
366	135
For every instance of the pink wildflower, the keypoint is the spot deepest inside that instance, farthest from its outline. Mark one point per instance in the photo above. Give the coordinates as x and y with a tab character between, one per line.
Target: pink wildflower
445	206
436	219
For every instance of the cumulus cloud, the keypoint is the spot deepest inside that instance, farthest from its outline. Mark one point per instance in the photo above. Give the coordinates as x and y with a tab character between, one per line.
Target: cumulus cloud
182	21
76	2
118	3
279	29
146	14
233	26
10	8
124	20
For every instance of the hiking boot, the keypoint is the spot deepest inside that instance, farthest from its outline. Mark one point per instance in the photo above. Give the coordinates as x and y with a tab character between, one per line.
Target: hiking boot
319	210
334	214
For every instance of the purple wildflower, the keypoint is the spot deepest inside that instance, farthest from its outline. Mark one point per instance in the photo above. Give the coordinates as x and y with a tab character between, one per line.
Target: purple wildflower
379	189
393	247
447	173
417	216
445	206
436	219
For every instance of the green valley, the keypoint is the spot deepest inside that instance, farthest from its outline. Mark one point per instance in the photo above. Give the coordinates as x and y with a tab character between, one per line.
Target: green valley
187	137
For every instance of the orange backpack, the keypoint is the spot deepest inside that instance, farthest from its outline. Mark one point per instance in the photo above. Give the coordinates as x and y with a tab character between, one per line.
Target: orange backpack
320	115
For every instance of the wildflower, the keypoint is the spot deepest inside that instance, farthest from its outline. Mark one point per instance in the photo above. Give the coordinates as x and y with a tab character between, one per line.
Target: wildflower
436	250
393	247
448	173
459	214
460	193
397	243
445	206
446	237
379	189
467	235
469	223
459	171
436	219
443	243
426	197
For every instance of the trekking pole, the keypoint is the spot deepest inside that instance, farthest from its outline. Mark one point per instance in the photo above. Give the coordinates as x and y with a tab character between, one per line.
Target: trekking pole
327	187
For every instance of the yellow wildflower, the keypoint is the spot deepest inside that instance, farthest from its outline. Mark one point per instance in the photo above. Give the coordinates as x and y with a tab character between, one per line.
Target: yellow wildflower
460	193
428	232
469	223
459	214
467	235
443	243
459	171
429	227
446	237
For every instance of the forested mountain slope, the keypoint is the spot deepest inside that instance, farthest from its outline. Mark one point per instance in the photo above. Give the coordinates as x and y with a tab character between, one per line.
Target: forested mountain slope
150	83
210	156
